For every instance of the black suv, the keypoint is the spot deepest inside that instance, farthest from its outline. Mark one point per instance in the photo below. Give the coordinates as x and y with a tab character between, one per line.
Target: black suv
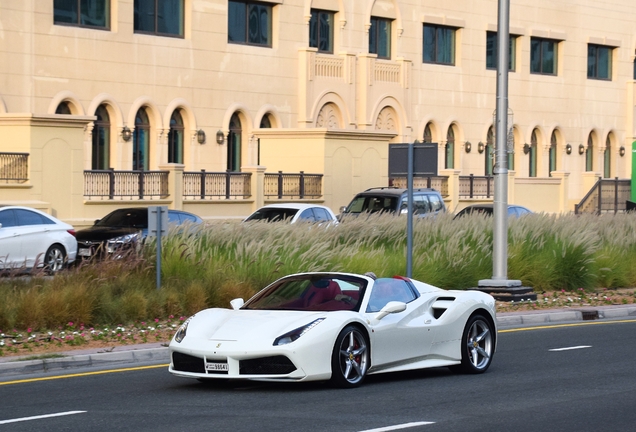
426	201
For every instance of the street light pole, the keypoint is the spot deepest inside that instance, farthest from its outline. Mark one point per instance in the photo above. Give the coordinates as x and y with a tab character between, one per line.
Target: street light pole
499	283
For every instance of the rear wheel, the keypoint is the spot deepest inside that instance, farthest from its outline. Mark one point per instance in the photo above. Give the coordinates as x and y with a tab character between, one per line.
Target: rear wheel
350	358
54	259
477	346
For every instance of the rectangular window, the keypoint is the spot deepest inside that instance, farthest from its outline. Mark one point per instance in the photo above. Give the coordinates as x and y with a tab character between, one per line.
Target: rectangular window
491	51
321	30
159	17
543	56
249	23
439	44
599	62
380	37
82	13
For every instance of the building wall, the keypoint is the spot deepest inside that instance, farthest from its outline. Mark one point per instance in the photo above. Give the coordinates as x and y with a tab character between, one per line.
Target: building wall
209	79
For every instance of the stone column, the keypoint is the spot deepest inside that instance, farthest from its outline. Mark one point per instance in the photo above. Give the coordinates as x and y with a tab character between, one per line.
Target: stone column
257	185
453	187
175	184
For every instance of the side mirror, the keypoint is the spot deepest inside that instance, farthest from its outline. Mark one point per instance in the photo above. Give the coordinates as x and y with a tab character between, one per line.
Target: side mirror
96	221
342	209
237	303
391	307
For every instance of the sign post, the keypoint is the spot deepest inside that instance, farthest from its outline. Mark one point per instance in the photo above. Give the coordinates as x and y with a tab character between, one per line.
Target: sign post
157	226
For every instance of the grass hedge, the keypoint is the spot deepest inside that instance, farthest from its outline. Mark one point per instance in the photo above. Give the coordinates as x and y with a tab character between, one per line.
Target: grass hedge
225	260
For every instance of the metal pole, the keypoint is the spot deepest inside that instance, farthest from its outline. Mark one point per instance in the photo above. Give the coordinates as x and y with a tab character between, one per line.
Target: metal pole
500	170
409	215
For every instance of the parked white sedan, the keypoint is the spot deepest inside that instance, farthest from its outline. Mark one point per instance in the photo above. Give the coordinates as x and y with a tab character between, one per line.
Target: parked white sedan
339	327
30	238
293	213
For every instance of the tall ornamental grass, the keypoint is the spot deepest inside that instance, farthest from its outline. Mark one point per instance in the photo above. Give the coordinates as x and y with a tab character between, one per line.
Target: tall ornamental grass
210	266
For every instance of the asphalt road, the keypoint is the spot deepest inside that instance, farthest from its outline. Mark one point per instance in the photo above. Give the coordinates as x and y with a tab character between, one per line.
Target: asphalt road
579	377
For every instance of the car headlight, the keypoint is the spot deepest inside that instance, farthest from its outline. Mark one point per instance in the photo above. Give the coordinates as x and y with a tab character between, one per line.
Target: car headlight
117	242
181	332
291	336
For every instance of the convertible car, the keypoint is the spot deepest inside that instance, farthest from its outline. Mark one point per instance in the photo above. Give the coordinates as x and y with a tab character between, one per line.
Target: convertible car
338	327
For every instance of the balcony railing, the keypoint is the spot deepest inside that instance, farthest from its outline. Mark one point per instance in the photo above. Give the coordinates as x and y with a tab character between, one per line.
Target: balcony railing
293	185
476	186
14	167
111	184
440	183
216	185
606	196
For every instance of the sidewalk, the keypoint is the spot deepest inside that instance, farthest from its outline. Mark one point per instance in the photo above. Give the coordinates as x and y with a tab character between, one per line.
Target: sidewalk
157	353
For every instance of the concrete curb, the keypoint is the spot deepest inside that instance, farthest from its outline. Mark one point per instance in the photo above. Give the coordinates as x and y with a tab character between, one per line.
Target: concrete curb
14	366
155	353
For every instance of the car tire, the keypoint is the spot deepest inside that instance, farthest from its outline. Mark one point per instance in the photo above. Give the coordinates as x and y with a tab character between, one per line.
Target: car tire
477	346
350	358
54	259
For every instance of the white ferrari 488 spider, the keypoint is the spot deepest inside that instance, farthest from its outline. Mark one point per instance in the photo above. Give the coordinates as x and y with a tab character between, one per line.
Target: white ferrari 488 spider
339	327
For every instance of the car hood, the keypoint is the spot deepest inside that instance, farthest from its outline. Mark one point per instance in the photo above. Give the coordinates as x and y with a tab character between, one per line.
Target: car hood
248	325
99	233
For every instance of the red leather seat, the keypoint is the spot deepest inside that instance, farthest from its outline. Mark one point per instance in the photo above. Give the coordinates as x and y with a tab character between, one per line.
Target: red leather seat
320	292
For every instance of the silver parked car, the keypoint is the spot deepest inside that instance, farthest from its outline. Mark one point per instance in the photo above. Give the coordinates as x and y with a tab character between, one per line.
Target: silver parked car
30	238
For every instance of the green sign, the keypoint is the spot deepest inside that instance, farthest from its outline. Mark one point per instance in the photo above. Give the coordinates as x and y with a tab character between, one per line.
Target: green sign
633	172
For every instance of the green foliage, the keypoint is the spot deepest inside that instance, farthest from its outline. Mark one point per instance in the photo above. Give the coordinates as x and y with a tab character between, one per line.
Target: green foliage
225	260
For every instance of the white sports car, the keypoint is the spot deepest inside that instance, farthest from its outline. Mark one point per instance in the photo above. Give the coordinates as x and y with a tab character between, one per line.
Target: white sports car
339	327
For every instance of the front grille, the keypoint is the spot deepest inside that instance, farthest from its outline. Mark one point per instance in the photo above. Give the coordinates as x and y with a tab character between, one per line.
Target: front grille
276	365
187	363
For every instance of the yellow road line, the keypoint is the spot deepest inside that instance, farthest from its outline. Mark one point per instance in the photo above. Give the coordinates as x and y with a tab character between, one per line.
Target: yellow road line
166	365
83	374
540	327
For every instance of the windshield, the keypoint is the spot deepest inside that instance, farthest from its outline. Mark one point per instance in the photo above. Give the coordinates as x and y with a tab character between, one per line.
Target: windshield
311	293
129	218
372	204
272	214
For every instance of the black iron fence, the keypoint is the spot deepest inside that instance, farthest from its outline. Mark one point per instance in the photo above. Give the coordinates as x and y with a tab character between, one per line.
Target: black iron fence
296	185
473	186
439	183
205	185
606	196
125	184
14	167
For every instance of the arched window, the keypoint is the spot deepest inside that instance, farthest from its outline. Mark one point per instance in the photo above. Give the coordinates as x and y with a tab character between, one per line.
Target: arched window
511	154
428	134
266	123
589	153
607	157
553	153
175	138
450	149
63	108
490	143
234	144
100	149
532	155
141	141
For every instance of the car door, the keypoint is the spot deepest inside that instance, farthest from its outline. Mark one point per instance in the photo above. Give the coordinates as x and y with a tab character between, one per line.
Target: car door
10	240
37	233
398	337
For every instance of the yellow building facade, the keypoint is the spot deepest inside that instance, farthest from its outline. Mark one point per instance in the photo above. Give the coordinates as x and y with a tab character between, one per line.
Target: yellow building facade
315	86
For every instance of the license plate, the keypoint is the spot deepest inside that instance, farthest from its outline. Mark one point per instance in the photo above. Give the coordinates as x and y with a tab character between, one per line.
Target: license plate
217	367
84	252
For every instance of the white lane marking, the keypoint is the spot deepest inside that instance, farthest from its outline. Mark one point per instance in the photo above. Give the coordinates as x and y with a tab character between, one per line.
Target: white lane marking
400	426
571	348
41	417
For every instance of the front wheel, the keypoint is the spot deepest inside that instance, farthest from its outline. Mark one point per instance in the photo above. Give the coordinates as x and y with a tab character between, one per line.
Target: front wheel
477	346
350	358
54	259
